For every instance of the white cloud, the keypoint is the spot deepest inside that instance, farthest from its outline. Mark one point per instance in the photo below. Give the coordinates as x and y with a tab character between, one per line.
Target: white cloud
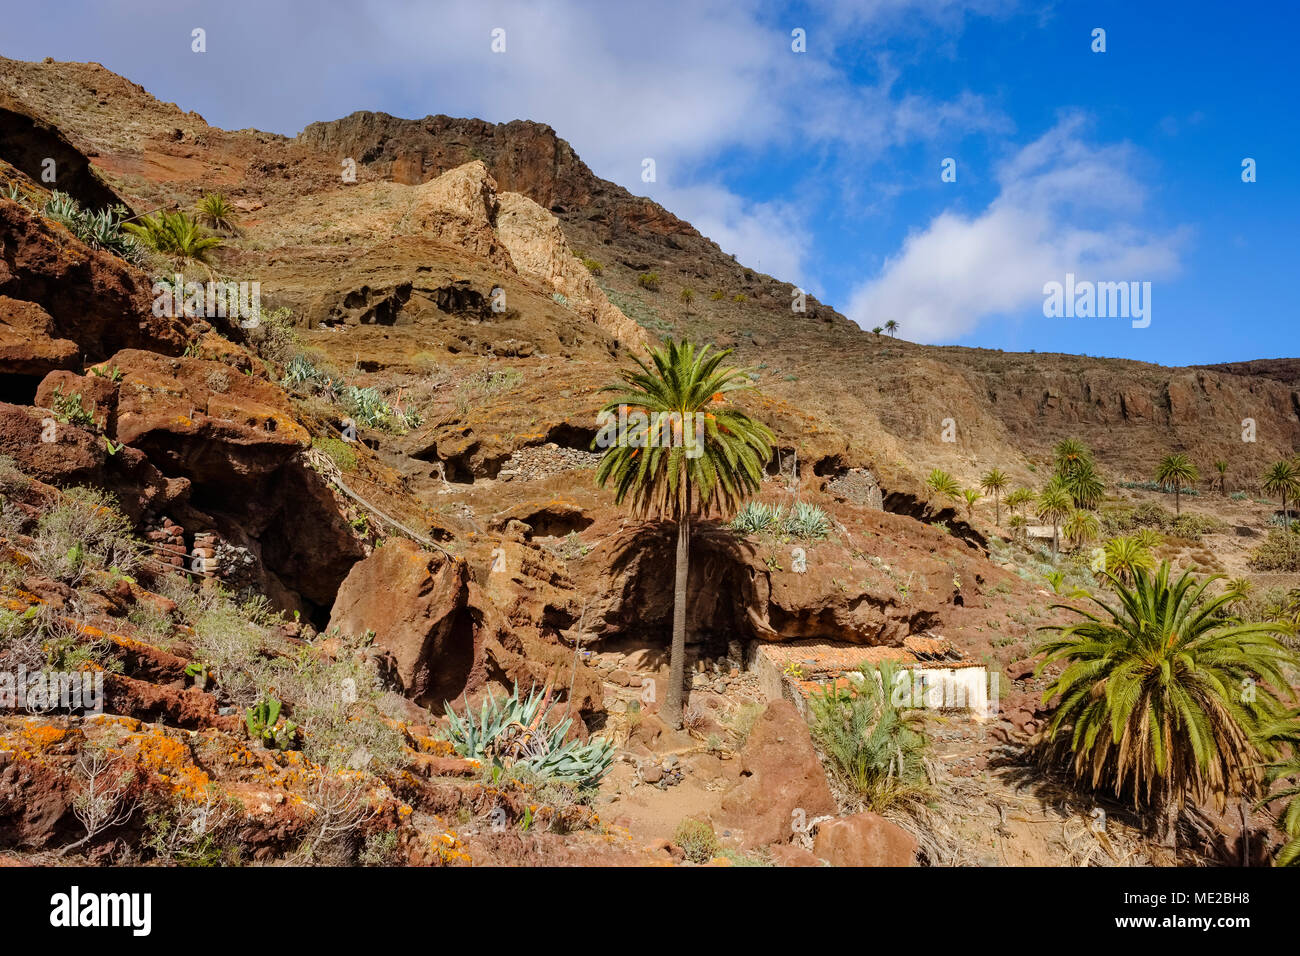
1064	206
772	237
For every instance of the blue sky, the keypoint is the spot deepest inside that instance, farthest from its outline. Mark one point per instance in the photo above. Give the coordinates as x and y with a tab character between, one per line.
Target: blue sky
823	167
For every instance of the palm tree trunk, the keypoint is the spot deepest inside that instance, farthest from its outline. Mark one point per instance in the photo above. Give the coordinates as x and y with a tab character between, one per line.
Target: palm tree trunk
1169	822
672	708
1244	809
1178	508
997	509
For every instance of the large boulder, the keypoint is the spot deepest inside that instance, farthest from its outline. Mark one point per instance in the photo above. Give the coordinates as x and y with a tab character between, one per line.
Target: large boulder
413	601
780	773
202	419
864	839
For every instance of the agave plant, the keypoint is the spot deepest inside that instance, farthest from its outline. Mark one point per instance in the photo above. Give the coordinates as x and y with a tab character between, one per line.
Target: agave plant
756	517
300	371
367	406
61	207
807	521
12	192
514	732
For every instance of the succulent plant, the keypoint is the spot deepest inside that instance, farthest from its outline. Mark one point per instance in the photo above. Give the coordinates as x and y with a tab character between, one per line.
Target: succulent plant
514	732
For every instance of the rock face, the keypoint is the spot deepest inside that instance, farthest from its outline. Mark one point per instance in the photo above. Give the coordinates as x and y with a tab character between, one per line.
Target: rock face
864	839
780	773
413	601
92	297
28	345
202	418
538	248
460	208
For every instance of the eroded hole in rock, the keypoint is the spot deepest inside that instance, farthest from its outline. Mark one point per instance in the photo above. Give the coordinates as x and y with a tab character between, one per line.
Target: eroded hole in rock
830	465
557	522
568	435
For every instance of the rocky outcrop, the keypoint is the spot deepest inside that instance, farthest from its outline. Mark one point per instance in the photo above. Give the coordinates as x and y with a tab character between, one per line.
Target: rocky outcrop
203	420
864	839
780	775
28	345
413	600
538	248
92	297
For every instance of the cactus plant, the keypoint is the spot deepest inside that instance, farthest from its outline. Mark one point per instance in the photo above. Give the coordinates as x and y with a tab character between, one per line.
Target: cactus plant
264	725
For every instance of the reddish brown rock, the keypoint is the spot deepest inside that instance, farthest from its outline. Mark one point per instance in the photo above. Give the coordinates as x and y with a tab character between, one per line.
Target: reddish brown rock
780	773
413	601
27	342
97	395
92	297
864	839
202	419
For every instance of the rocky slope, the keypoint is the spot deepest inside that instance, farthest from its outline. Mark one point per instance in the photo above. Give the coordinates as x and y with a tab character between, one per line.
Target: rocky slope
465	536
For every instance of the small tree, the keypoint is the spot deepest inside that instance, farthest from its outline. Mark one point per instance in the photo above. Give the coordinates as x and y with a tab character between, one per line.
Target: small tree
994	482
892	328
653	471
970	496
1177	471
1054	505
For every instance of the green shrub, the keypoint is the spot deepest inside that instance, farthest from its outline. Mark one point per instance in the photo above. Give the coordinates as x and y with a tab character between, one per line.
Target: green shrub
697	839
594	267
649	281
84	533
873	745
718	295
1194	525
1280	551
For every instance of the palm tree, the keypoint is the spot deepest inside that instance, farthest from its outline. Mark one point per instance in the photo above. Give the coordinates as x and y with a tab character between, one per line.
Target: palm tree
878	329
175	235
1081	527
1083	484
1152	695
1176	470
892	328
1054	505
216	212
1019	498
943	484
1068	454
1283	479
993	482
1221	467
660	472
1017	525
970	496
1287	734
1125	556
